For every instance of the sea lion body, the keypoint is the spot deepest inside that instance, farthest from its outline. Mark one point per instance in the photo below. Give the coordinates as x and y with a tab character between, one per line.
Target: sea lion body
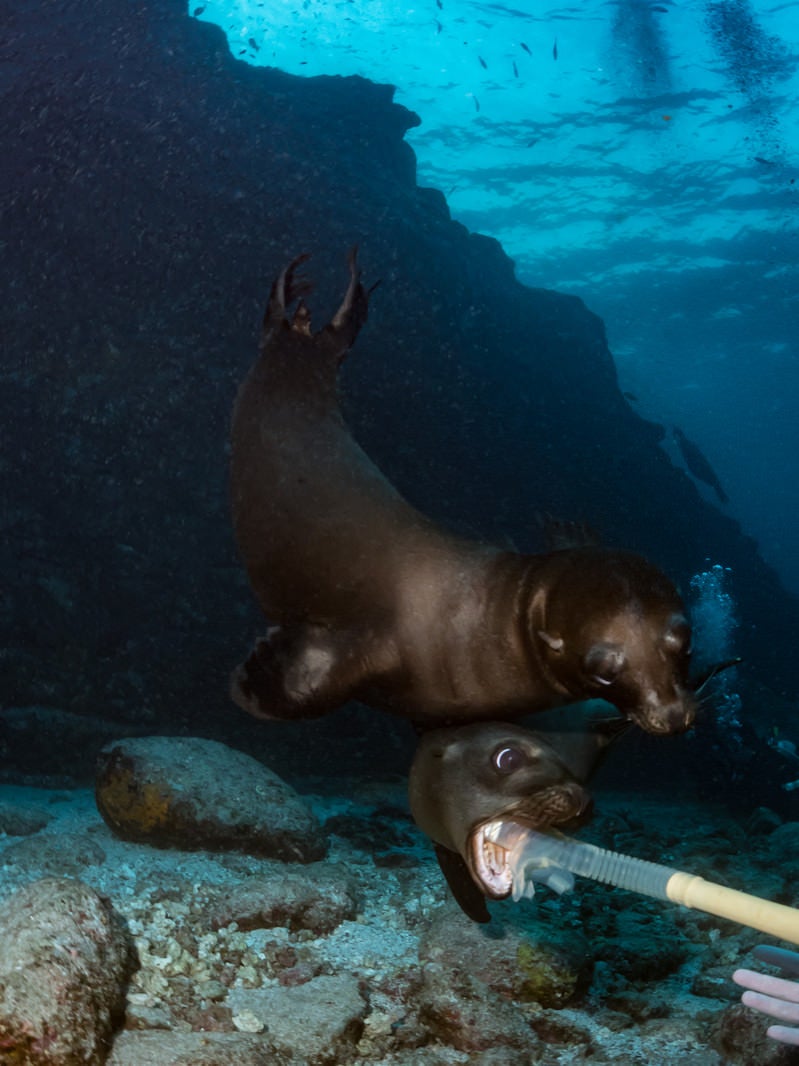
371	600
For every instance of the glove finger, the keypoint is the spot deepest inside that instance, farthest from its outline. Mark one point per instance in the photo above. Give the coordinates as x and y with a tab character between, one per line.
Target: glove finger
775	1008
783	1034
766	983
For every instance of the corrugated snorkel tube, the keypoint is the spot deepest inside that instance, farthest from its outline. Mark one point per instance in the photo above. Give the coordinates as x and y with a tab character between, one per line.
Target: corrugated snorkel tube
543	857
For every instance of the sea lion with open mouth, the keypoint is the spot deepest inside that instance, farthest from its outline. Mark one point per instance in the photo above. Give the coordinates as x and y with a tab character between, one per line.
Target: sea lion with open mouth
371	600
465	781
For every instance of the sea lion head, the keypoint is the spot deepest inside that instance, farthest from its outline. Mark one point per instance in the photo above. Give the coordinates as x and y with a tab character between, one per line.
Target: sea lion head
466	779
611	625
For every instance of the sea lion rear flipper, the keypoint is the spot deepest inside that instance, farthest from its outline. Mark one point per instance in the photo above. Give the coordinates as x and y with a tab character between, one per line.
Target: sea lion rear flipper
338	336
467	895
351	315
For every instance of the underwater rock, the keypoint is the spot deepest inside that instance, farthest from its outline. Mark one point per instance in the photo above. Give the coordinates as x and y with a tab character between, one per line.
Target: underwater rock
65	958
534	963
332	1011
65	854
195	1049
784	840
191	793
739	1035
17	820
461	1010
317	899
644	947
29	756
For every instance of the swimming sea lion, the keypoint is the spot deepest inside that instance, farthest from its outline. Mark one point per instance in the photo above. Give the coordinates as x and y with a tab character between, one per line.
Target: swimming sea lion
699	464
465	780
373	601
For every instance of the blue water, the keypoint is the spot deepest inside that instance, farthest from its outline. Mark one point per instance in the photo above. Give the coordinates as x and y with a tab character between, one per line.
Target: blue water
641	155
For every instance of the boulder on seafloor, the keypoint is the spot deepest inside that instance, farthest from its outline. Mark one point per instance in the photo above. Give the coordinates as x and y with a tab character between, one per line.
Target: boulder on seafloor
65	960
61	854
319	1022
530	963
195	1049
191	793
318	898
738	1034
22	820
30	756
461	1010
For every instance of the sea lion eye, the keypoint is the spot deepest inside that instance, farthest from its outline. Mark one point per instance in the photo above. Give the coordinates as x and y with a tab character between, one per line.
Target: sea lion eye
678	636
604	663
507	760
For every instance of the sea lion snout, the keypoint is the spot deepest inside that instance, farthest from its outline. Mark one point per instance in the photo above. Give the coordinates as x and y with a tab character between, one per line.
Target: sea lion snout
665	718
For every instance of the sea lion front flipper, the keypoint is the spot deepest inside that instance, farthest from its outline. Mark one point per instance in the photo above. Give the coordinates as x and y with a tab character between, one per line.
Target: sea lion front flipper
467	895
300	672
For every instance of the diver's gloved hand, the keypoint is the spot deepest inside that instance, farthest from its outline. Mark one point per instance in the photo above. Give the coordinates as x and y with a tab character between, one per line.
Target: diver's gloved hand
775	996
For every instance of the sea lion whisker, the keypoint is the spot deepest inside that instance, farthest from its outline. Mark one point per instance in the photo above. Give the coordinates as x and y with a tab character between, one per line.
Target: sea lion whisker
712	671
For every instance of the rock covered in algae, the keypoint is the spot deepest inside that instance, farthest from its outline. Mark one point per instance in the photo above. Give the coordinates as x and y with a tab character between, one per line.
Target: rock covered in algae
65	958
531	964
191	793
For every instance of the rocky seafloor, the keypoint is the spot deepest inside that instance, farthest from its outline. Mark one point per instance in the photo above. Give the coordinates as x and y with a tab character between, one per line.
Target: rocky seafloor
132	954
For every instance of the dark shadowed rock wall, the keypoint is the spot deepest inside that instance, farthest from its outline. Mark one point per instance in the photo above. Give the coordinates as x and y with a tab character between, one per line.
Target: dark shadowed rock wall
151	186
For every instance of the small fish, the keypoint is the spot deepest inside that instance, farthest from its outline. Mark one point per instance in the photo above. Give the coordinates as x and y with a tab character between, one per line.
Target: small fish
524	46
555	49
198	11
764	162
658	7
515	70
666	118
242	51
439	27
483	63
254	44
476	103
630	396
440	5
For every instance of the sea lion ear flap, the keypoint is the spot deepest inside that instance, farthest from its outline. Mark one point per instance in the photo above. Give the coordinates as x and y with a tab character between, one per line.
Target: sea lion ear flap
554	643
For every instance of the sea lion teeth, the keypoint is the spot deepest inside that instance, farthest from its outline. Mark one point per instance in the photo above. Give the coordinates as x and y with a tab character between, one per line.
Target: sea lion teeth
370	600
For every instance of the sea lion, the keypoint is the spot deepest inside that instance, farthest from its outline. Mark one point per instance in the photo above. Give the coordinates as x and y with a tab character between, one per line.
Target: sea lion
373	601
698	463
466	779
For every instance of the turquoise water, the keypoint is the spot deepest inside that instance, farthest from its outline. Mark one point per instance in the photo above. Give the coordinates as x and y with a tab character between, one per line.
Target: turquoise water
640	155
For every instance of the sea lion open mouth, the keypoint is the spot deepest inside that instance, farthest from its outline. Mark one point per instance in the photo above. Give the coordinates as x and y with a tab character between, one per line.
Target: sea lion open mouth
489	861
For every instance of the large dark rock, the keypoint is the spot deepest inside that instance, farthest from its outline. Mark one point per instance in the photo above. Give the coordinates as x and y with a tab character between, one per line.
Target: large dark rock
193	793
151	187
